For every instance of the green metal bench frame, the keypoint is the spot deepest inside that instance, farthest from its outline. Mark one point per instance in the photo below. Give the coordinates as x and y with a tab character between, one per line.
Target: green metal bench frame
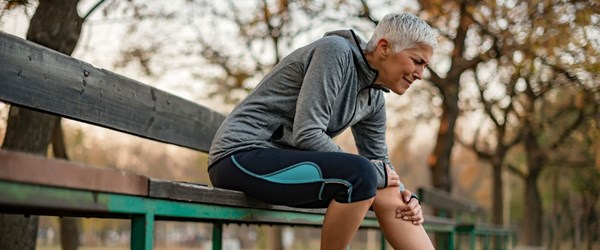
142	211
448	206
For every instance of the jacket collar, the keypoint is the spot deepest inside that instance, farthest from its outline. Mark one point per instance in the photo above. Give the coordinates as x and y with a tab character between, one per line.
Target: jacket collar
369	74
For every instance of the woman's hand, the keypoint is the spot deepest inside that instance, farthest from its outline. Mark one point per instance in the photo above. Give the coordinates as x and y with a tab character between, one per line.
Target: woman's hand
411	211
393	178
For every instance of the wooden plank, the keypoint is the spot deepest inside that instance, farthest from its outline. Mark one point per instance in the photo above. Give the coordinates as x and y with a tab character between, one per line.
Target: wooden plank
39	78
192	192
21	167
35	199
441	199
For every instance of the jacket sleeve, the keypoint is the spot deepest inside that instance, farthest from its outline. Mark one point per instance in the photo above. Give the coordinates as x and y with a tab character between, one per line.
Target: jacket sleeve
369	135
322	82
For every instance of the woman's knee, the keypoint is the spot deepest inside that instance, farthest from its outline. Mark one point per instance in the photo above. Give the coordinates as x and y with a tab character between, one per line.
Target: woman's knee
388	198
364	175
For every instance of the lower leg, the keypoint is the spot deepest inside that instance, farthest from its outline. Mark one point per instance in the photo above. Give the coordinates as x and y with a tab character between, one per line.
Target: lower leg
399	233
341	223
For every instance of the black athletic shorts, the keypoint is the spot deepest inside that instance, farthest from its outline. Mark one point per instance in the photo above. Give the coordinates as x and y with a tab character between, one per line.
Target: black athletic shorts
306	179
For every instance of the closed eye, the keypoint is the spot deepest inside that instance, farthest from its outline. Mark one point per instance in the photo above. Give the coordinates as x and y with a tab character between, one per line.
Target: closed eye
419	62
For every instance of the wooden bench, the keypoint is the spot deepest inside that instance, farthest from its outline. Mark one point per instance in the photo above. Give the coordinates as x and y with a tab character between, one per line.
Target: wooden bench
469	218
34	77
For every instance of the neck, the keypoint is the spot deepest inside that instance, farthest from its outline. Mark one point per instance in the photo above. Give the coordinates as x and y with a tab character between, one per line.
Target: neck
371	60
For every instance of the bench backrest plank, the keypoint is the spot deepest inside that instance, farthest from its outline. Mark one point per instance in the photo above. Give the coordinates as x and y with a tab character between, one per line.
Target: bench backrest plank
36	77
28	168
443	200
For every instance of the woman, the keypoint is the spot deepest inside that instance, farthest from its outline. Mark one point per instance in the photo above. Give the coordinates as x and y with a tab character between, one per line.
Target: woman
277	146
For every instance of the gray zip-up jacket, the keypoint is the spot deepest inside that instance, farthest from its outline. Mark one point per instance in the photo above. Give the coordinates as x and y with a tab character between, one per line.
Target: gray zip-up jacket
311	96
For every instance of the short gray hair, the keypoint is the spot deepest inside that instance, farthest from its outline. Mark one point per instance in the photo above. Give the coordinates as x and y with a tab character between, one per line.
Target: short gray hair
403	31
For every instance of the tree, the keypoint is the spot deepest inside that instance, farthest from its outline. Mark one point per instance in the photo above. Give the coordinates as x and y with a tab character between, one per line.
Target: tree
454	26
538	42
56	25
575	186
501	36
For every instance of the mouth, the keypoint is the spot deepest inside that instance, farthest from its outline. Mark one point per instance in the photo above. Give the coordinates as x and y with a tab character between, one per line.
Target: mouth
408	81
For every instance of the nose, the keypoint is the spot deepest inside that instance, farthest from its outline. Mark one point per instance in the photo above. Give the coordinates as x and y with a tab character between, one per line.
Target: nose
418	73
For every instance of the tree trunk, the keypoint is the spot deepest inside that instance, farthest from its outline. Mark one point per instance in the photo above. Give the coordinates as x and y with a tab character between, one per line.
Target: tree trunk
555	217
275	239
69	227
69	233
55	25
439	160
532	214
17	231
498	191
588	222
576	220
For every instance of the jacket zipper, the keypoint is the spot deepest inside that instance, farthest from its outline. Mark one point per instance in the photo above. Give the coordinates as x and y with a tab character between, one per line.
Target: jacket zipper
361	90
354	112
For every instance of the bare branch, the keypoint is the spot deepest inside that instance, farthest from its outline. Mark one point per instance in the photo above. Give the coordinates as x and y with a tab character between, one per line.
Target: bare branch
435	78
444	34
366	12
93	9
516	171
565	134
569	164
487	106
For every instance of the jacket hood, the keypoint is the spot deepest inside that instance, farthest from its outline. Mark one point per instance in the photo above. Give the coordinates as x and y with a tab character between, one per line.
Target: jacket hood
367	74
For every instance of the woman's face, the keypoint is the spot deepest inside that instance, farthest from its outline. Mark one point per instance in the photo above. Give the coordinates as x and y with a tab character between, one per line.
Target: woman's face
397	71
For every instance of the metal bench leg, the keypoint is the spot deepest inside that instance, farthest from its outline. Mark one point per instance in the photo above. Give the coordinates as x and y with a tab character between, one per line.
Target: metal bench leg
383	241
486	243
142	231
451	236
472	240
217	236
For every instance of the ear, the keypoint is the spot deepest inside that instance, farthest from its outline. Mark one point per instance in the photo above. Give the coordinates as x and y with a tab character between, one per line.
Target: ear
383	46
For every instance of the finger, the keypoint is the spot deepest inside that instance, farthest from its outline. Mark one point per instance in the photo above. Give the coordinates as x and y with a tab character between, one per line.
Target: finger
416	217
393	183
410	210
413	211
390	171
406	195
407	211
419	222
392	175
412	218
413	203
410	214
405	208
403	211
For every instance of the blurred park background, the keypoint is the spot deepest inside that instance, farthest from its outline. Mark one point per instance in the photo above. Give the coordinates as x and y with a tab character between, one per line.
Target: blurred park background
507	115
